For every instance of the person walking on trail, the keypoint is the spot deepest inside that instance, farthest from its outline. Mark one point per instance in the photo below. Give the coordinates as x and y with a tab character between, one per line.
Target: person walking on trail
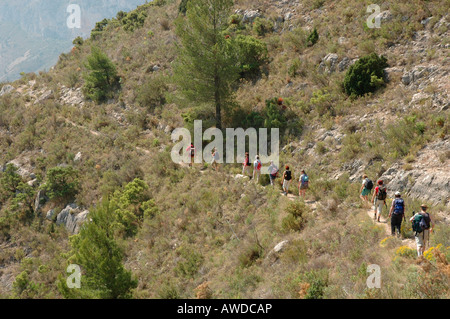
191	151
397	214
215	159
273	173
246	164
303	183
422	224
366	188
379	200
257	165
287	179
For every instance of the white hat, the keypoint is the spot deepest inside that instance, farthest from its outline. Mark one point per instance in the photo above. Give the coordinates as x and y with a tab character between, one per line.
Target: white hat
398	193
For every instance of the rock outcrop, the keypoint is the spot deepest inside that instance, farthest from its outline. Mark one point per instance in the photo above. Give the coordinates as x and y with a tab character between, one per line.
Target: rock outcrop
72	218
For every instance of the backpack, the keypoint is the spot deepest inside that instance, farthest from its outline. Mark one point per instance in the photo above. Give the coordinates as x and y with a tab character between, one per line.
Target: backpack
382	193
369	184
421	222
192	151
288	176
258	167
399	206
305	180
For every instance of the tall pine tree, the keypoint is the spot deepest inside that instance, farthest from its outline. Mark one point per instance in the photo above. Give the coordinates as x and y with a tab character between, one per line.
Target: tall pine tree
206	65
96	251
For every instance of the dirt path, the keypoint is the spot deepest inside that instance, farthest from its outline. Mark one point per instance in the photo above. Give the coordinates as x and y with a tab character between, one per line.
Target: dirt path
386	224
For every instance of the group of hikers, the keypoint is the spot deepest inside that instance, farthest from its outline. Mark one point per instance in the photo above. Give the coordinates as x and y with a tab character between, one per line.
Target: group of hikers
287	176
422	224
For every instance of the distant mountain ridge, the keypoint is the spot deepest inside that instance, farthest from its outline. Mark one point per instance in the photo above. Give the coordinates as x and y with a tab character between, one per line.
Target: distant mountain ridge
34	33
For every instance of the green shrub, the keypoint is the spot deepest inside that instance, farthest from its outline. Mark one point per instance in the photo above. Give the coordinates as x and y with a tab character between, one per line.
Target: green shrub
99	27
296	218
9	181
101	79
153	93
365	76
190	263
262	26
251	54
61	183
250	255
274	115
313	37
134	20
96	251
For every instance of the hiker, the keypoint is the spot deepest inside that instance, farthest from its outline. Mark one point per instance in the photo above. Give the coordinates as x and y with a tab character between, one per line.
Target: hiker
366	188
191	150
246	164
303	184
423	226
215	161
257	165
273	173
397	213
287	178
379	199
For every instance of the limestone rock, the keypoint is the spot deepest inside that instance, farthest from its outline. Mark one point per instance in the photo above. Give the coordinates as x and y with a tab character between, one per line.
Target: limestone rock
72	218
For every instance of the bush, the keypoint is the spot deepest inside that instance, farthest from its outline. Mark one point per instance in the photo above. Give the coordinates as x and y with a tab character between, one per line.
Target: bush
365	76
152	94
62	183
102	79
133	20
262	26
252	54
313	37
296	219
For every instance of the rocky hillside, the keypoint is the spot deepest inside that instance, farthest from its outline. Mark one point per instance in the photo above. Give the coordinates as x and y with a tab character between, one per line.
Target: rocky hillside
197	233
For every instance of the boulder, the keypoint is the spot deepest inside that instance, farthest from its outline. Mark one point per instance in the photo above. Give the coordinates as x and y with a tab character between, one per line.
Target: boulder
72	218
6	89
250	15
329	63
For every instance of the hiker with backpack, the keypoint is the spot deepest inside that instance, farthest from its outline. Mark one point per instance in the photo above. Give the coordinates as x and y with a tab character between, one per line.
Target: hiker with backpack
257	165
273	173
366	188
397	213
287	179
379	200
246	164
422	225
303	184
191	151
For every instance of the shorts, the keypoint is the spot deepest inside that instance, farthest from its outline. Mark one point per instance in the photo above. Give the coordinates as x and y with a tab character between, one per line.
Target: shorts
422	238
286	183
379	205
365	192
304	186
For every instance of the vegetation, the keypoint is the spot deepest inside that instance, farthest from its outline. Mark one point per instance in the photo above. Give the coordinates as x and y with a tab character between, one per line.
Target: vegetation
156	229
101	79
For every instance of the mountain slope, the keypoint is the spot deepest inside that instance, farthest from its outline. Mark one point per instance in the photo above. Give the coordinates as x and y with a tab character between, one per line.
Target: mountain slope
218	234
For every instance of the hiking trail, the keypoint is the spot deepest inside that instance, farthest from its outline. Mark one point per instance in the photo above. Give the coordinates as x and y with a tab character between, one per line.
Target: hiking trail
385	223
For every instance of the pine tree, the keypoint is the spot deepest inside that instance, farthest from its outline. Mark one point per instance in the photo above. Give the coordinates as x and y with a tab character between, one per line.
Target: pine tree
101	79
206	66
100	258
